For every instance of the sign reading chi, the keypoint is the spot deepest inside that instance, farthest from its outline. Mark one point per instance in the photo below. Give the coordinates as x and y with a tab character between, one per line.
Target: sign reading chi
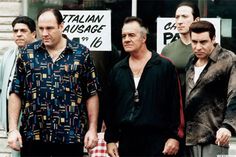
167	32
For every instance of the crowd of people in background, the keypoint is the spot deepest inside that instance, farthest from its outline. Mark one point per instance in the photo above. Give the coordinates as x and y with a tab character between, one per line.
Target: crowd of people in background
180	103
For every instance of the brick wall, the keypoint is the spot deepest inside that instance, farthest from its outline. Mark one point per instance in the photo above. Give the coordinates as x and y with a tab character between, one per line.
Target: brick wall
9	9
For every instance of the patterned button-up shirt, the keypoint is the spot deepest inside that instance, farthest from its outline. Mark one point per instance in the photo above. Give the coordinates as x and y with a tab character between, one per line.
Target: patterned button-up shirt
54	94
211	101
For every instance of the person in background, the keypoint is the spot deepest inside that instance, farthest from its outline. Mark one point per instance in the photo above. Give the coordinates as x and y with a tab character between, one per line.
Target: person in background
210	94
24	32
180	50
140	115
55	86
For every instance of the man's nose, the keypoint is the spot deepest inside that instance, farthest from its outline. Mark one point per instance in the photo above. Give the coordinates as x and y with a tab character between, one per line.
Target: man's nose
19	33
44	32
179	20
198	46
126	38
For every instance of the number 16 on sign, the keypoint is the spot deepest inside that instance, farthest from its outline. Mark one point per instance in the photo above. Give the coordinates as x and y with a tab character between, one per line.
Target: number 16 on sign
96	42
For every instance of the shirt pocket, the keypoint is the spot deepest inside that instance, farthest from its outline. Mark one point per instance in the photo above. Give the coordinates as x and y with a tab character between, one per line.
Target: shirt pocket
70	79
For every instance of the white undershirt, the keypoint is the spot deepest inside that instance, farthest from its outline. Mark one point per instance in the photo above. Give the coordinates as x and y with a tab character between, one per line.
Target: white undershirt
136	81
198	71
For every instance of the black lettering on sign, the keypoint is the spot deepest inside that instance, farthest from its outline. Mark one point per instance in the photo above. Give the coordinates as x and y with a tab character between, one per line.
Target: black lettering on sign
67	18
84	29
96	42
170	26
83	18
170	37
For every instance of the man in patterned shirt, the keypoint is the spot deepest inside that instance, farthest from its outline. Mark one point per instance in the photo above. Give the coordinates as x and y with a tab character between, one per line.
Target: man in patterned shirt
55	86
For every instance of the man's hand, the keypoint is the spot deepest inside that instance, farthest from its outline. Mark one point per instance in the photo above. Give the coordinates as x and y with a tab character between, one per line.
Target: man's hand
14	140
171	147
223	136
112	150
91	139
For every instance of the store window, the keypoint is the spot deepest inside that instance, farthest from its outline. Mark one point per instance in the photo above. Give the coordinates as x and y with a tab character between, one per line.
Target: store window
225	9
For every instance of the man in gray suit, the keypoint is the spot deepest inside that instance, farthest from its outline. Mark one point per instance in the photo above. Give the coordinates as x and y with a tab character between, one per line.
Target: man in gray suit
24	32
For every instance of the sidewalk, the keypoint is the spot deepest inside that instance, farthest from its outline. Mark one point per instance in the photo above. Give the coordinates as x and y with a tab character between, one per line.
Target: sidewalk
232	149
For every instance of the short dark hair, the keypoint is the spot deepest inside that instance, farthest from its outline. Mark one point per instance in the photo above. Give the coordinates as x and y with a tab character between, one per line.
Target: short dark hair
25	20
132	19
195	9
203	26
138	20
55	12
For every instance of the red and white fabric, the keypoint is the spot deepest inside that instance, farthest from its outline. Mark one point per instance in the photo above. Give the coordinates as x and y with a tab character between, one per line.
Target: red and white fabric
100	150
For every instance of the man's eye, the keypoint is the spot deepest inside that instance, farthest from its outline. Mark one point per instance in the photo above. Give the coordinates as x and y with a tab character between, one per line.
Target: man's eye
131	35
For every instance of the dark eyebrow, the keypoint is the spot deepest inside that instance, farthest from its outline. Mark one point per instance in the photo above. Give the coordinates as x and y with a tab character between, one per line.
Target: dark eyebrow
22	30
48	27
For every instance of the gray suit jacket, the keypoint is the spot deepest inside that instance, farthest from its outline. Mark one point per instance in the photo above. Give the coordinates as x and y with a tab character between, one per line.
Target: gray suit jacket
7	69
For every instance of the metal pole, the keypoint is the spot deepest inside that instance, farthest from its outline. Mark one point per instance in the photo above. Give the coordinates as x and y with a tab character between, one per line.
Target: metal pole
202	5
25	7
134	8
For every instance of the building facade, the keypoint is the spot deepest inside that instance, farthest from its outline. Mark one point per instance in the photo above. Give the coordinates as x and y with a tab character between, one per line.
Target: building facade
9	9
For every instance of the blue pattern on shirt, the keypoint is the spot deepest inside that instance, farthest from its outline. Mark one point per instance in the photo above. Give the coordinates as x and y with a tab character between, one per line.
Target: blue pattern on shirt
54	93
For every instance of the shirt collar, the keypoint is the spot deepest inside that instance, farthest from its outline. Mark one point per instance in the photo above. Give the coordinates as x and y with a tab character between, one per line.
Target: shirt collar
40	45
155	59
215	53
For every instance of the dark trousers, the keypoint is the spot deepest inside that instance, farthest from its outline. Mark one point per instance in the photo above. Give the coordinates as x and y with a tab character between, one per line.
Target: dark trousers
40	149
141	144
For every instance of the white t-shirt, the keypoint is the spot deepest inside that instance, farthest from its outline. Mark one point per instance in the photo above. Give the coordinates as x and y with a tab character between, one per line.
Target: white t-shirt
197	72
136	81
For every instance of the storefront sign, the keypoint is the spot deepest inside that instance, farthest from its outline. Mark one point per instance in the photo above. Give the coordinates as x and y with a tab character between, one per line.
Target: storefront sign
89	27
167	32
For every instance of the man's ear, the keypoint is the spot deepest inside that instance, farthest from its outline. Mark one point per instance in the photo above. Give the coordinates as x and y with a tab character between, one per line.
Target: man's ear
197	19
214	39
144	37
61	26
34	34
